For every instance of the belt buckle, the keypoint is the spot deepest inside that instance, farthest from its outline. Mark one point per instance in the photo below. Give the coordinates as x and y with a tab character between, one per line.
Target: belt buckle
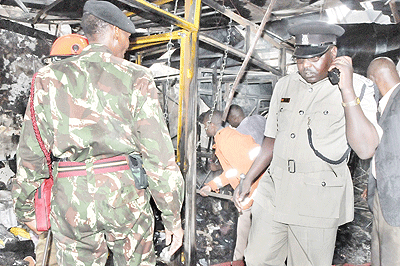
291	166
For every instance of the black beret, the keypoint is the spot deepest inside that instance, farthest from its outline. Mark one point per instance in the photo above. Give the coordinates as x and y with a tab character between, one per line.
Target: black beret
313	38
109	13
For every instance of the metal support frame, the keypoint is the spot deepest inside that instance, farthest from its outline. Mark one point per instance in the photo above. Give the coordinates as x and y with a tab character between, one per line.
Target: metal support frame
160	2
187	143
187	116
157	38
22	6
188	85
188	95
45	10
145	45
165	15
242	21
25	30
282	61
257	62
246	60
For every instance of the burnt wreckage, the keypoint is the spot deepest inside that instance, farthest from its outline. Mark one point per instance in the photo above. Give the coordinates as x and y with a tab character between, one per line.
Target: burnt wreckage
196	52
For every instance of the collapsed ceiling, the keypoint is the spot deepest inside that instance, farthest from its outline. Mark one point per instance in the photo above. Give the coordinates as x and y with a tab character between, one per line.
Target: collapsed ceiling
69	12
49	19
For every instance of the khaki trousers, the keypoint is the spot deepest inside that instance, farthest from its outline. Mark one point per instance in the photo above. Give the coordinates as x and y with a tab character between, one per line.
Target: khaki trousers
271	243
385	239
242	234
51	253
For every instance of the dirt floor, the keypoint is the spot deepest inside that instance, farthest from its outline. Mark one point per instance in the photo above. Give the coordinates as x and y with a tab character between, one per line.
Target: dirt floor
216	234
216	223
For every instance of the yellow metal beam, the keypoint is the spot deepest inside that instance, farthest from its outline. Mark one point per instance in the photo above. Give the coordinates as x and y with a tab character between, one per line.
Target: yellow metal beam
159	37
182	83
165	15
139	59
188	138
187	123
193	12
189	42
145	45
161	2
157	2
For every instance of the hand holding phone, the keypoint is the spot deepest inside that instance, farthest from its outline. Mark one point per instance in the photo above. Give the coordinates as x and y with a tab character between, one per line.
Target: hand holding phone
334	76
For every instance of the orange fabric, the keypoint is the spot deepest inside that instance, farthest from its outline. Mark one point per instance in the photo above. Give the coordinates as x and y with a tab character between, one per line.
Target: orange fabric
232	149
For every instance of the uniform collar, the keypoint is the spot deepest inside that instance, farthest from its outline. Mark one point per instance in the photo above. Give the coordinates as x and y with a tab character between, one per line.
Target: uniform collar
96	47
301	79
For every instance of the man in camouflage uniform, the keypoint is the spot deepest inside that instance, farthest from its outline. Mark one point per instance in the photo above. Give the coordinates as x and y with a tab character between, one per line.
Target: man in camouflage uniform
64	47
92	111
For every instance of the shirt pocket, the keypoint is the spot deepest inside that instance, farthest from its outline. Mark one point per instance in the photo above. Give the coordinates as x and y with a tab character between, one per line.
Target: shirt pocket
284	116
321	195
325	120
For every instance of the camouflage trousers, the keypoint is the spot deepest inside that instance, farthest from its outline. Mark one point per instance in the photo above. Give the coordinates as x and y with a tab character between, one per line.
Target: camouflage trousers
93	213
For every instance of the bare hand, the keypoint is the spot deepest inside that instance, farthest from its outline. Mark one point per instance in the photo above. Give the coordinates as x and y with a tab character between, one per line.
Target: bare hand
364	195
32	226
238	196
203	191
176	236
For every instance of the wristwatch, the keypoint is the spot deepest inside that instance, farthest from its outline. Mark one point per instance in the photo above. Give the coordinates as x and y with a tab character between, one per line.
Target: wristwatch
354	102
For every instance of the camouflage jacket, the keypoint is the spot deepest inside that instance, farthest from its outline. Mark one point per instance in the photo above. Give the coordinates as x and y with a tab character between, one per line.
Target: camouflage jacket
96	106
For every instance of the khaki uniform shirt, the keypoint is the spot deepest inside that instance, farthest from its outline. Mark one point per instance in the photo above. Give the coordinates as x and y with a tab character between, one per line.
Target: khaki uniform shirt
304	189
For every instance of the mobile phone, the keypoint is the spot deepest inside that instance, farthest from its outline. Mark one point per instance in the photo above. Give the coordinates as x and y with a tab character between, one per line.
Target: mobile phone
334	76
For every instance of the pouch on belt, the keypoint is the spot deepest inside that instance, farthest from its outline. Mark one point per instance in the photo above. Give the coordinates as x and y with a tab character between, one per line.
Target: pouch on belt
139	174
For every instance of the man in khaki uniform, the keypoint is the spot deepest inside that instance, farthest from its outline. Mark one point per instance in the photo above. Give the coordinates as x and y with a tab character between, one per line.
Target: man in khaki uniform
311	122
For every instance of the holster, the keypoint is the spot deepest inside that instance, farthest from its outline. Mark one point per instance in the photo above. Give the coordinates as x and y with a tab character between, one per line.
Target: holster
139	174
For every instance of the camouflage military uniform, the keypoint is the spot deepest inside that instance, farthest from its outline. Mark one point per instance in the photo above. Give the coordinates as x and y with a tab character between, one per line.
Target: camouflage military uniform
90	107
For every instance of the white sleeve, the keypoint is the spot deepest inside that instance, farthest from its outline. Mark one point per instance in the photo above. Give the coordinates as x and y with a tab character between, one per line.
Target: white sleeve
368	103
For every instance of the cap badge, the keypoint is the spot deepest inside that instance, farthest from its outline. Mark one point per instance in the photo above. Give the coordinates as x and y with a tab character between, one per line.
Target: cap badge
304	39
